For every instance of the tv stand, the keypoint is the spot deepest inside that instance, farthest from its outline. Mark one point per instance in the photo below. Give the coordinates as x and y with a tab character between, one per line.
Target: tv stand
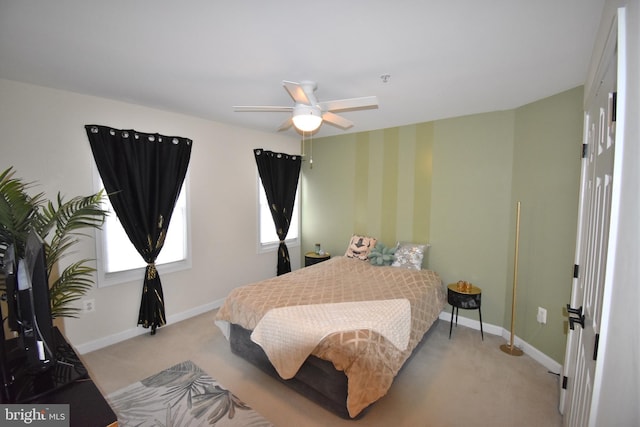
65	382
27	382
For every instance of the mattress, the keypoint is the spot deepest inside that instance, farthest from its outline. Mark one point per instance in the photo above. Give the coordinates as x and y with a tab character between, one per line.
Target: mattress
369	361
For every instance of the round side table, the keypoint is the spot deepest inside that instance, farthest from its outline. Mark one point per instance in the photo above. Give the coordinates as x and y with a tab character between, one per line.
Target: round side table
468	299
311	258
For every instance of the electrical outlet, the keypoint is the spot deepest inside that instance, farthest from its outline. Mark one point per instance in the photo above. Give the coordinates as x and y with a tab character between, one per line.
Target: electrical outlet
542	315
88	305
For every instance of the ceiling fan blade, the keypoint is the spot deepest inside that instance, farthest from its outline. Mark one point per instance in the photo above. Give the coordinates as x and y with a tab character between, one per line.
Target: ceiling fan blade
296	92
250	108
286	124
336	120
366	102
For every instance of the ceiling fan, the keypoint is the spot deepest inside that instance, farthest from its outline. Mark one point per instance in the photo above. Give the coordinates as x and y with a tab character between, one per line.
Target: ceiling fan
308	113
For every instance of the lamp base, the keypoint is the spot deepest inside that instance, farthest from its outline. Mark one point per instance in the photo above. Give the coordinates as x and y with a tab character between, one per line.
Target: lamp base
514	351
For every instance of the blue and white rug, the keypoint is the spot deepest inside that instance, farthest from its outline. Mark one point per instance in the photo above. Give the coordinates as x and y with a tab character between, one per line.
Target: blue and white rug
180	396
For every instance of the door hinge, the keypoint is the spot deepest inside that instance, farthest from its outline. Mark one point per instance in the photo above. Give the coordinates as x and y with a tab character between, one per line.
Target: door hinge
584	151
595	347
564	382
614	106
572	319
576	271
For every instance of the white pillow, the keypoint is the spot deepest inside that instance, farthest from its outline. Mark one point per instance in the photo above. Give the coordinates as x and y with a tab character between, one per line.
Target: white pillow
410	255
360	246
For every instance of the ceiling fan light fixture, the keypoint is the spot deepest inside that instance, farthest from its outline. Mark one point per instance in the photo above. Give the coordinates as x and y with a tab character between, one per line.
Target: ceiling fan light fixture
306	118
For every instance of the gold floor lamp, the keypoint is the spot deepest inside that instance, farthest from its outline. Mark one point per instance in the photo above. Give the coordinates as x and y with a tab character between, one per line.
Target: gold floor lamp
511	349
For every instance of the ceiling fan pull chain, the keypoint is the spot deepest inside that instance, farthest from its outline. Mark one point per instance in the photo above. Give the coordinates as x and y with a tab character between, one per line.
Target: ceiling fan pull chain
311	152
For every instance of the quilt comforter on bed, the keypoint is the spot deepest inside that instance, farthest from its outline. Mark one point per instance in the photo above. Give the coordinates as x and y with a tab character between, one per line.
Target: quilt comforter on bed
368	359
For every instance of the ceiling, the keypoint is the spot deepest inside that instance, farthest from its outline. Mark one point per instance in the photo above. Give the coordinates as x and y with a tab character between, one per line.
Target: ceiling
202	57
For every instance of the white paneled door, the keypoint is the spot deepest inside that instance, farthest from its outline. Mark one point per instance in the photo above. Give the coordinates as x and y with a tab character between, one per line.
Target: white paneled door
585	309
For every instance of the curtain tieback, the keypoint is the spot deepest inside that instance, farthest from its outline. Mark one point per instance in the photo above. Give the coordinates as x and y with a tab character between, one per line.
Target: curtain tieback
152	273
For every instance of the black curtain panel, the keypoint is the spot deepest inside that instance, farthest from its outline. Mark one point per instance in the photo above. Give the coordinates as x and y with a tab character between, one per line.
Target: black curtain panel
142	173
279	174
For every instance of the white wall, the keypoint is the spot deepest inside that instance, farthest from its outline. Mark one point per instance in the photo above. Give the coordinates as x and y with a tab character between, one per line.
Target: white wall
43	137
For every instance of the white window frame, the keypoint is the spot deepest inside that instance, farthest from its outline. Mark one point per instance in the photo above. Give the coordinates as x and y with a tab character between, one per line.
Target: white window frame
105	278
262	209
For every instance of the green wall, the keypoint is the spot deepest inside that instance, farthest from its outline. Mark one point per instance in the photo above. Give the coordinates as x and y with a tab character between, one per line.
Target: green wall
546	180
454	183
471	198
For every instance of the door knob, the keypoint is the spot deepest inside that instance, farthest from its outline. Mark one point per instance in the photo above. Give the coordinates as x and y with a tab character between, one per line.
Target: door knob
573	320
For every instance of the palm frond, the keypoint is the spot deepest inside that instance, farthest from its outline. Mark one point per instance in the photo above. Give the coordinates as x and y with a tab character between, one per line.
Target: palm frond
58	250
65	311
18	210
60	225
77	213
67	219
73	282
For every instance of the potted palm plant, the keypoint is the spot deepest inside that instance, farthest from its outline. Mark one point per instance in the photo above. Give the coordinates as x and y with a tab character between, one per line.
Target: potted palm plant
60	224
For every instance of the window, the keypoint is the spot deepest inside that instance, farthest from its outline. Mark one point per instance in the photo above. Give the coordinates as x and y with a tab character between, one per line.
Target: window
267	230
119	261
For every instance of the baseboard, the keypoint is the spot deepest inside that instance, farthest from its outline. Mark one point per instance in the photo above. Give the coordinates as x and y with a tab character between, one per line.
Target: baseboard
533	352
134	332
530	350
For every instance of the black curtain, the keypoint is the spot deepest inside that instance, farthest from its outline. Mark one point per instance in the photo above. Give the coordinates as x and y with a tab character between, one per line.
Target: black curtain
142	173
279	174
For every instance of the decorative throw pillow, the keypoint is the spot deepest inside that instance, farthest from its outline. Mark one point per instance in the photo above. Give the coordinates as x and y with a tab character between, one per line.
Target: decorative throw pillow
381	255
409	255
360	246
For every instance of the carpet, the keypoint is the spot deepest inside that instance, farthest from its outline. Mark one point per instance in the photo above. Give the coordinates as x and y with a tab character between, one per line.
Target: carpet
180	396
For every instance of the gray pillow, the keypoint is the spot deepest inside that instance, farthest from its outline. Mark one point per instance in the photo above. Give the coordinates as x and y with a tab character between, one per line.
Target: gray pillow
410	255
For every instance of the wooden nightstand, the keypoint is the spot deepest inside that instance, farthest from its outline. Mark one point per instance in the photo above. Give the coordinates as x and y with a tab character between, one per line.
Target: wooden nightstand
311	258
469	299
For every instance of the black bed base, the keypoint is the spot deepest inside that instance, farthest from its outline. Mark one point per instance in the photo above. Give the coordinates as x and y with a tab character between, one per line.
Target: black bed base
317	379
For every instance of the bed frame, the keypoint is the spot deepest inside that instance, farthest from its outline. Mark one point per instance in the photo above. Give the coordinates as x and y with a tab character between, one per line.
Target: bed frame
317	379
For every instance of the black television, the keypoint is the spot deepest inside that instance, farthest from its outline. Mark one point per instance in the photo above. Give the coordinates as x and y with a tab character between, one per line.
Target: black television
10	265
38	360
10	270
28	302
34	305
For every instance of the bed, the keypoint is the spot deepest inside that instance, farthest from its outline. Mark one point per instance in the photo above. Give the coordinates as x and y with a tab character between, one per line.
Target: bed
348	369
